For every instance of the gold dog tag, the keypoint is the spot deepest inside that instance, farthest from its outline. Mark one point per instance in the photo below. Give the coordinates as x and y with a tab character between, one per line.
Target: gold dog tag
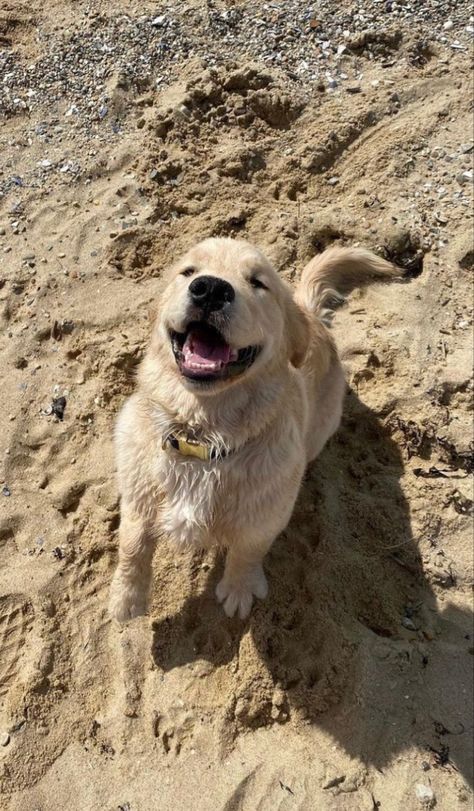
188	445
190	448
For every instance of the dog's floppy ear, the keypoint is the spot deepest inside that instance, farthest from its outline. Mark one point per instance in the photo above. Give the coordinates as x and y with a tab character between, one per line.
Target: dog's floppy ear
298	332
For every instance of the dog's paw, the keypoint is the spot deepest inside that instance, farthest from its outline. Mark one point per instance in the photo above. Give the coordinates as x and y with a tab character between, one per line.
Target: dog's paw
237	594
126	601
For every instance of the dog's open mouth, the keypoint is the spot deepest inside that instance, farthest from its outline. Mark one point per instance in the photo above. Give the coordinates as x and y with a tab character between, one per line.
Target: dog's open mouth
203	354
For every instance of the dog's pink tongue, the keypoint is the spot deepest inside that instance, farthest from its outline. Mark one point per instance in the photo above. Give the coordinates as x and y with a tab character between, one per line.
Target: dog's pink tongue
202	351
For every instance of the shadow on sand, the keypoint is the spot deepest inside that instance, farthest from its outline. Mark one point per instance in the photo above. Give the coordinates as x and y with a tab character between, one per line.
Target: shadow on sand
350	631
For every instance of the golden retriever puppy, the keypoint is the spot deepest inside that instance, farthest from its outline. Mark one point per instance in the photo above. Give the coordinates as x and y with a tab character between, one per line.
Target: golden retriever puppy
240	388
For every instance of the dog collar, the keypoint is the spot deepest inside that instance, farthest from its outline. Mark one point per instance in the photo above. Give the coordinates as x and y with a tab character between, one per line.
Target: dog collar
187	444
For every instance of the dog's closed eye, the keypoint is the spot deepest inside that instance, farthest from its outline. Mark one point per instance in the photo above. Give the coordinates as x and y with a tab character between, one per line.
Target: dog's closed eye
257	283
188	271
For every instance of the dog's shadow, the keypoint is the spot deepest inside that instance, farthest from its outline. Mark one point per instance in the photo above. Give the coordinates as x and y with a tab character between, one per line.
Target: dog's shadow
350	634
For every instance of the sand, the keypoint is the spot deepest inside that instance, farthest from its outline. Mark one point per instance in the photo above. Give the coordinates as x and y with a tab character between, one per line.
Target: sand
350	687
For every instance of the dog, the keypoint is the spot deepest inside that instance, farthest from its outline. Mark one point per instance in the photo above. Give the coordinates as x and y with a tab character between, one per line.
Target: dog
239	390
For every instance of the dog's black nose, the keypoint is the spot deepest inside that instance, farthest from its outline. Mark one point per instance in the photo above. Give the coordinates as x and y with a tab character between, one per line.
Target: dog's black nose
211	293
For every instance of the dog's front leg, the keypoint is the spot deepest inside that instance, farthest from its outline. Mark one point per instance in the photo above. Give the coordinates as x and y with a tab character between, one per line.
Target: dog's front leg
131	582
243	580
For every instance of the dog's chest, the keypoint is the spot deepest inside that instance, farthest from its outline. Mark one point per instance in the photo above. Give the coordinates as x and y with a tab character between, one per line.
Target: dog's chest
191	490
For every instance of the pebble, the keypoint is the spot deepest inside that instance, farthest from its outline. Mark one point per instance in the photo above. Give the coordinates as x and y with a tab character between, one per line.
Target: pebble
465	177
409	624
448	25
425	794
4	738
279	697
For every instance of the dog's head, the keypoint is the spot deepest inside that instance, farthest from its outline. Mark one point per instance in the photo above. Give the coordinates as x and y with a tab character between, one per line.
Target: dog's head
225	314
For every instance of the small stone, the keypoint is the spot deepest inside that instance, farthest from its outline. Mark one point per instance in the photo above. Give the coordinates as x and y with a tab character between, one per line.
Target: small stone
333	181
58	406
183	112
67	326
466	148
425	795
6	490
465	177
409	624
157	22
448	25
241	708
279	697
4	738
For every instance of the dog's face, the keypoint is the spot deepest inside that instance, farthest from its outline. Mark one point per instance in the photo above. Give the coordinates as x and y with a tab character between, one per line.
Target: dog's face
225	314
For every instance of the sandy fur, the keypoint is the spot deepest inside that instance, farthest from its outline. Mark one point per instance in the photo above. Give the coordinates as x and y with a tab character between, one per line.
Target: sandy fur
274	419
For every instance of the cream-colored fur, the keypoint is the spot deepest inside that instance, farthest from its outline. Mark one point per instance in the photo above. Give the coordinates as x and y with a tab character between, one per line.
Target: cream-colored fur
274	419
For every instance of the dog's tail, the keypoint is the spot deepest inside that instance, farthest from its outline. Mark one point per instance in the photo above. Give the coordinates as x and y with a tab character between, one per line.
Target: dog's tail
329	278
